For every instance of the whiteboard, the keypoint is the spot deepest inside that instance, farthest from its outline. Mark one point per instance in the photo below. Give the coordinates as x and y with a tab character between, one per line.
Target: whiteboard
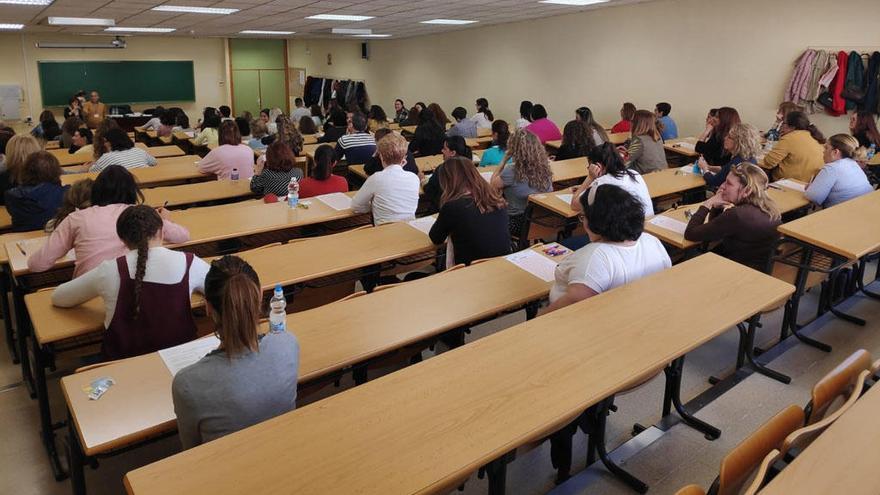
10	102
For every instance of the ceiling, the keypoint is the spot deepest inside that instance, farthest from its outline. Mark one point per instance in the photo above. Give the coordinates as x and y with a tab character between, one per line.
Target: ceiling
396	17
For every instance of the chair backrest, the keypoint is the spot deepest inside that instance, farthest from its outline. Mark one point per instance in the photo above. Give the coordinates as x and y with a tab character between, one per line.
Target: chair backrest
691	490
738	465
802	437
761	475
837	383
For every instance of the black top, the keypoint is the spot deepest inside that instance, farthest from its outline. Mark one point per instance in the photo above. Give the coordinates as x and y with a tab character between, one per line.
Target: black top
332	134
474	235
863	139
373	165
713	151
566	152
427	140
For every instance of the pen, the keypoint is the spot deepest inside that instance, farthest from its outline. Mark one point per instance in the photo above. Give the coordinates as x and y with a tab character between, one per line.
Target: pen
18	244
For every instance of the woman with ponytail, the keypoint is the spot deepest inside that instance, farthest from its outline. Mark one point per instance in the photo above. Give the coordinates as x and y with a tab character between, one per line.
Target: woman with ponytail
146	291
841	179
798	153
500	136
250	377
484	117
323	181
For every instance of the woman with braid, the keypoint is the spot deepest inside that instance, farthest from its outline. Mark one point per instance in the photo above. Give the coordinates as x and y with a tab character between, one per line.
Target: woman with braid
146	291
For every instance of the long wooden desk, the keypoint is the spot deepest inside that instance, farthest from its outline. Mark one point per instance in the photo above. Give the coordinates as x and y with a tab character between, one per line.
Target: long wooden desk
422	429
616	139
5	219
175	170
200	192
686	150
843	459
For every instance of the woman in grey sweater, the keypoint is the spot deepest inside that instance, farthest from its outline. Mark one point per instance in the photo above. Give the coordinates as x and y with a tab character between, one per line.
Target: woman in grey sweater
645	150
248	379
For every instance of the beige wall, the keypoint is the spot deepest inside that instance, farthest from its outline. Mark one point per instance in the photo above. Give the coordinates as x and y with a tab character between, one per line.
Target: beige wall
209	56
695	54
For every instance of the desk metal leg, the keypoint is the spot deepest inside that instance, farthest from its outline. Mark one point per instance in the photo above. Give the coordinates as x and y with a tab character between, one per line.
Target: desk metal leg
23	326
560	451
595	421
497	473
860	279
747	347
76	460
47	428
5	279
672	397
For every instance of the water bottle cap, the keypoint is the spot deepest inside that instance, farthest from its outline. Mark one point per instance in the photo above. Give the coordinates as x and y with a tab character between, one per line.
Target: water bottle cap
278	289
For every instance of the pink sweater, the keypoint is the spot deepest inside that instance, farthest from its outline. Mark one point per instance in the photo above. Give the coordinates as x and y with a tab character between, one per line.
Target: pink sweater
222	159
545	129
91	233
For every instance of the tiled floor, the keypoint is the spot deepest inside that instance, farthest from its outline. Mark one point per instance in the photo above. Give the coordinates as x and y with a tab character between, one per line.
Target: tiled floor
678	457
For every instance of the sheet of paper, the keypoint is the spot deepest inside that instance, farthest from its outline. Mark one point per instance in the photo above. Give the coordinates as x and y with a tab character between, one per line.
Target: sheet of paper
685	145
566	198
191	134
179	357
486	175
667	223
424	224
532	262
337	201
790	184
30	246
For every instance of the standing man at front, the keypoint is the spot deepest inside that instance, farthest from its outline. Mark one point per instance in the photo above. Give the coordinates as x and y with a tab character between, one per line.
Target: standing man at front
94	110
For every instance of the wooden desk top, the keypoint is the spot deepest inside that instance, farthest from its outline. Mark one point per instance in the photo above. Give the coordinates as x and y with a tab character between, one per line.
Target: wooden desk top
331	338
843	459
5	219
213	223
309	149
615	138
482	399
848	229
670	145
53	145
310	139
165	151
200	192
175	169
16	236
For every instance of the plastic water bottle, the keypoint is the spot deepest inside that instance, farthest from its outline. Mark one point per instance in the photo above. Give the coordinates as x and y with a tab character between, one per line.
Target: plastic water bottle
234	174
293	193
277	312
697	168
872	151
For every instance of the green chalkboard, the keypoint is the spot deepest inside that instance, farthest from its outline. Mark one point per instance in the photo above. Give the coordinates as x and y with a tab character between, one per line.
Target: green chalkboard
118	82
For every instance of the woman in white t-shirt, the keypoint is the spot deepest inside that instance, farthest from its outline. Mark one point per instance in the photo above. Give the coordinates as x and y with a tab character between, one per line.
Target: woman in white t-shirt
619	251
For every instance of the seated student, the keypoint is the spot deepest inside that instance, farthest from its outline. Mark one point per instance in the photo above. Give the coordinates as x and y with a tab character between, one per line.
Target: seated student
374	164
274	176
335	127
209	135
464	127
38	194
711	143
500	135
181	122
120	150
73	109
6	134
412	117
307	126
70	125
525	114
167	124
392	194
841	179
47	129
798	153
230	155
81	142
77	197
741	215
585	115
17	150
619	251
453	146
775	130
439	114
244	128
742	144
99	142
627	112
225	113
156	119
258	132
472	213
376	118
91	232
606	167
358	145
645	152
323	181
670	129
146	290
400	111
576	141
317	115
429	135
863	127
250	377
524	171
300	111
287	132
542	127
483	118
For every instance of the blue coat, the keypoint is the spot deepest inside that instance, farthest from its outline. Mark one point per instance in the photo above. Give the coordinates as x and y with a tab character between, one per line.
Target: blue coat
32	206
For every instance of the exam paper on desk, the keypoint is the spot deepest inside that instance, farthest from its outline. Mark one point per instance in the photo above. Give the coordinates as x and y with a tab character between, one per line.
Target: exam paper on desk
178	357
532	262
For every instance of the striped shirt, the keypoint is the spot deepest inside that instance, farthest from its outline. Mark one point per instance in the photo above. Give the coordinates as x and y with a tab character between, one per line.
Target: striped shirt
271	181
130	158
356	148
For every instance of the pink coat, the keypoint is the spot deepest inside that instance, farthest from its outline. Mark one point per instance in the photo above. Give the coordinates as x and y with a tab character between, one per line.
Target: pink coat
222	159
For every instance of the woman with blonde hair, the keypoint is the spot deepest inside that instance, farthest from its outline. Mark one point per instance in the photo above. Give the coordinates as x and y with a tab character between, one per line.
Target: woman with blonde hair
741	216
525	170
645	152
743	144
841	179
18	149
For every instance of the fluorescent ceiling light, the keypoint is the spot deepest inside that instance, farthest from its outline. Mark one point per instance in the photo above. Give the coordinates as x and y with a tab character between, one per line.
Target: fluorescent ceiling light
372	36
194	10
448	22
339	17
80	21
579	3
351	31
11	26
120	29
26	2
270	33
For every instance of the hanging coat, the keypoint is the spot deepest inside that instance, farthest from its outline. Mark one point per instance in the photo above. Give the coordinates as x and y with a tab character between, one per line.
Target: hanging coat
820	64
838	105
799	79
871	103
855	76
